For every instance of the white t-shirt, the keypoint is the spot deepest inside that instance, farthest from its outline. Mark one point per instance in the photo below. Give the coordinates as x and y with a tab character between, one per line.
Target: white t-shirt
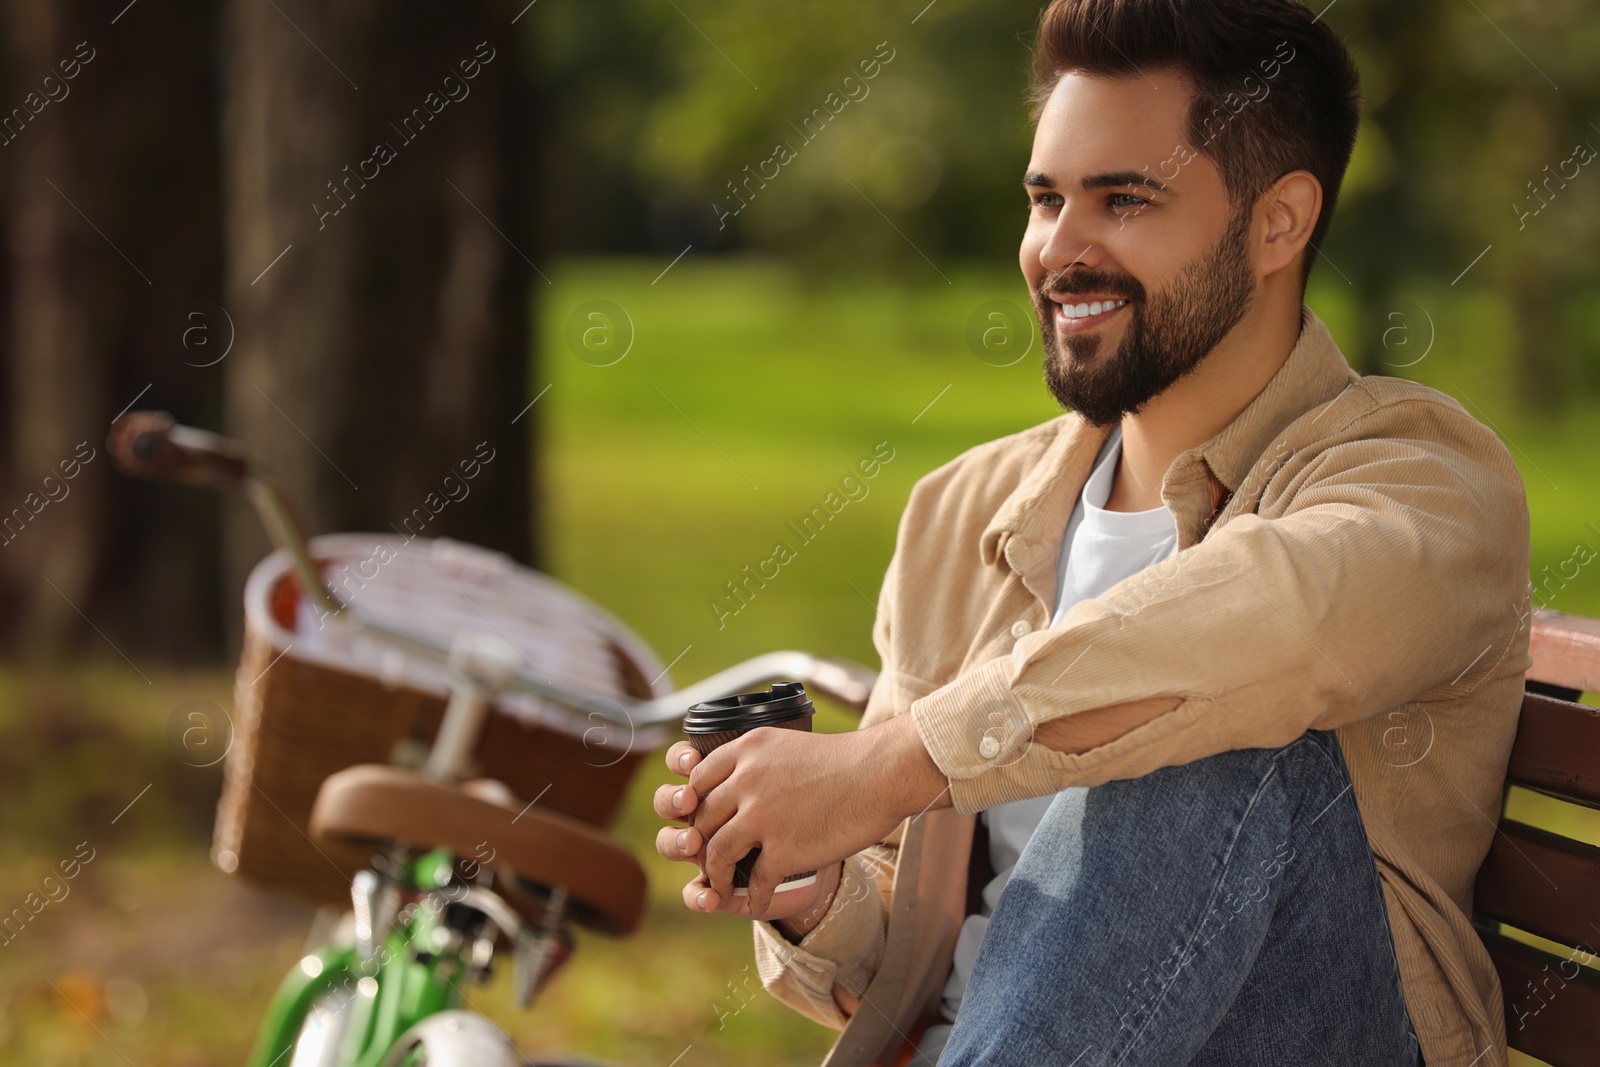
1099	549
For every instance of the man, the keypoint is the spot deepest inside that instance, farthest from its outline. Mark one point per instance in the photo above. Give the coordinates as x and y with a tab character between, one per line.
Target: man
1229	657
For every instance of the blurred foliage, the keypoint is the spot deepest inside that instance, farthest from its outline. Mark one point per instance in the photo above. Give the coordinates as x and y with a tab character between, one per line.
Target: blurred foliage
658	107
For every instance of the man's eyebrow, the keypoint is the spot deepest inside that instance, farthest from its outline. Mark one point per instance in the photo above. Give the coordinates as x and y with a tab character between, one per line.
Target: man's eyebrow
1119	178
1111	180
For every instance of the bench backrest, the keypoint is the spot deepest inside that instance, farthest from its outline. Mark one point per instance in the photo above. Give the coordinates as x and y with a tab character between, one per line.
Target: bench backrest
1542	882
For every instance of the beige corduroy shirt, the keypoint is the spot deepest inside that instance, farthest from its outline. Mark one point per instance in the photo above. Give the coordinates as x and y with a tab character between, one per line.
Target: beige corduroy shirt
1352	555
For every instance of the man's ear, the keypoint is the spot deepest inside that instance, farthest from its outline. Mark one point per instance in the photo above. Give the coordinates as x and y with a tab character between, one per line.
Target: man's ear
1289	207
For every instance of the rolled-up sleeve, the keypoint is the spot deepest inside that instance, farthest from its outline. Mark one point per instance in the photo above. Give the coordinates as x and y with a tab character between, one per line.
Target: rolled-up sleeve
839	955
1396	570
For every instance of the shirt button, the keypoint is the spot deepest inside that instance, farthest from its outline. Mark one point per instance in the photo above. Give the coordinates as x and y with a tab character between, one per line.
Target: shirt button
1020	628
988	748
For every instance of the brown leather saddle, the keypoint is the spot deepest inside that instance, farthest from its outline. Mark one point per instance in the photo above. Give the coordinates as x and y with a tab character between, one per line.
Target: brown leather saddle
605	884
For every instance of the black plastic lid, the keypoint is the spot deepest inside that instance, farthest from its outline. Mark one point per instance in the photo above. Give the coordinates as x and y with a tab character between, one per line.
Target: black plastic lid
784	702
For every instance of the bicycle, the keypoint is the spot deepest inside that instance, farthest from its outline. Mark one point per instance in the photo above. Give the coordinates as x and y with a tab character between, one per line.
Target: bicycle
429	912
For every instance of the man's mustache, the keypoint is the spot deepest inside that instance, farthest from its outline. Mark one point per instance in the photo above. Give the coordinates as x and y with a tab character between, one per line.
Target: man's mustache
1073	284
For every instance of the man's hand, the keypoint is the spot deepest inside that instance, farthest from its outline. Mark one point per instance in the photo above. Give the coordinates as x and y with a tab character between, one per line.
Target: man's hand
806	800
796	911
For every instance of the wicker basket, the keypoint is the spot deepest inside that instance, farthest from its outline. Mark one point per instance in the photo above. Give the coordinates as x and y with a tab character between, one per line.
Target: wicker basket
311	700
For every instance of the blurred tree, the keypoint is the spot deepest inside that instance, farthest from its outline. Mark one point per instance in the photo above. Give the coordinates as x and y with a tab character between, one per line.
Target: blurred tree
380	260
1466	107
108	140
366	330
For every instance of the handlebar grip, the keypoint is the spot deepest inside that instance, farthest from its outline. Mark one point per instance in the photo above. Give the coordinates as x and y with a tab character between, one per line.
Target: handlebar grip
149	444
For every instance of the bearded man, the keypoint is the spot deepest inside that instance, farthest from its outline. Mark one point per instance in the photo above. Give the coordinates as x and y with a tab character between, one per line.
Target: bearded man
1196	700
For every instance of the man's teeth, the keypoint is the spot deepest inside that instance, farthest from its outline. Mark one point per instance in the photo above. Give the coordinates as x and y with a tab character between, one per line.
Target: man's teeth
1079	311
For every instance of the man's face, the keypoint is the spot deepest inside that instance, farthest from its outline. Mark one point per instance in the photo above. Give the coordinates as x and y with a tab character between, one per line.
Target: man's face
1125	215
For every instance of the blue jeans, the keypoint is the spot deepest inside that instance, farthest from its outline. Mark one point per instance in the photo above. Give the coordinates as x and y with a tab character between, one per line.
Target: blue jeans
1225	913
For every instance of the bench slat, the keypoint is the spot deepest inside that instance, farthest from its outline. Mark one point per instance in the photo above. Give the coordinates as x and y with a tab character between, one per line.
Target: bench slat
1558	749
1552	1005
1542	883
1565	650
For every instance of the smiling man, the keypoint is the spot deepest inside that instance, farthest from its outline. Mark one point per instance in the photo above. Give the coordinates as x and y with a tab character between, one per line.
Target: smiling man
1196	701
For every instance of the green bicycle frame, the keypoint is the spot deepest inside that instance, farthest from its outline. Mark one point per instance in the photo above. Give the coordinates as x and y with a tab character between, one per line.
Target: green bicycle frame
407	979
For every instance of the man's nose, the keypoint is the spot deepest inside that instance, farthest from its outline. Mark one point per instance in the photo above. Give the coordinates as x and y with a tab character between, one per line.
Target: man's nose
1070	244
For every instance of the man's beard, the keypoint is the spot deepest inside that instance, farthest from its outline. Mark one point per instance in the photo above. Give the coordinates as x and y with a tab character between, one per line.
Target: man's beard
1167	336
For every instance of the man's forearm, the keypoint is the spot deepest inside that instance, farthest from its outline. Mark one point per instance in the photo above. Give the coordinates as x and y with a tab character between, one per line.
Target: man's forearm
909	780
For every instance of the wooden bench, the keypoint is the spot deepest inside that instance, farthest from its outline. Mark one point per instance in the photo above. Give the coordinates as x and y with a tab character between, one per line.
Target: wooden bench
1541	882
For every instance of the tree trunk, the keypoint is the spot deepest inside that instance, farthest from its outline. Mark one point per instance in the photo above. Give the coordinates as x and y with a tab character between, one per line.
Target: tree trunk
108	135
378	182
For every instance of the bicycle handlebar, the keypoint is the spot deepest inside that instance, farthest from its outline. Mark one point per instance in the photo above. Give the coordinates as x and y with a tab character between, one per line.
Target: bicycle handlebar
150	444
838	679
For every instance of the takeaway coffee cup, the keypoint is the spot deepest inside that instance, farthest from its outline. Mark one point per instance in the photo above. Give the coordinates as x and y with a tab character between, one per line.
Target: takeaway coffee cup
714	723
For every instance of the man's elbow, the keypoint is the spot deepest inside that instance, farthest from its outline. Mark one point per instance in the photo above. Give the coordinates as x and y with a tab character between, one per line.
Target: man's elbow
1080	732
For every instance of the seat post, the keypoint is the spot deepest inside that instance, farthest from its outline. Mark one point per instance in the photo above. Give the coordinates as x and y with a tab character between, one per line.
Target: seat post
479	667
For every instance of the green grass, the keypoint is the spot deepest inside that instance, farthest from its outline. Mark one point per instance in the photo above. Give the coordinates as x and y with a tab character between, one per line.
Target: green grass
744	401
748	394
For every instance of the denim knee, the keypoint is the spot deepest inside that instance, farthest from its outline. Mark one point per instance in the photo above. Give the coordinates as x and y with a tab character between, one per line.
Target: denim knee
1253	790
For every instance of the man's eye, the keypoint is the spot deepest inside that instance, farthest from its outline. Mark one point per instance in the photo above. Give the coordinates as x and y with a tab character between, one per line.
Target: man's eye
1047	200
1127	200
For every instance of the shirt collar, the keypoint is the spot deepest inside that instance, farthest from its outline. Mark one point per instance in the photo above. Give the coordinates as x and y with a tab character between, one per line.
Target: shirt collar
1314	373
1032	518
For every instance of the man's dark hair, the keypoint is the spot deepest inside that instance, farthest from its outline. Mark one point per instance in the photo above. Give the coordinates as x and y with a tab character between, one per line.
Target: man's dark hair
1304	116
